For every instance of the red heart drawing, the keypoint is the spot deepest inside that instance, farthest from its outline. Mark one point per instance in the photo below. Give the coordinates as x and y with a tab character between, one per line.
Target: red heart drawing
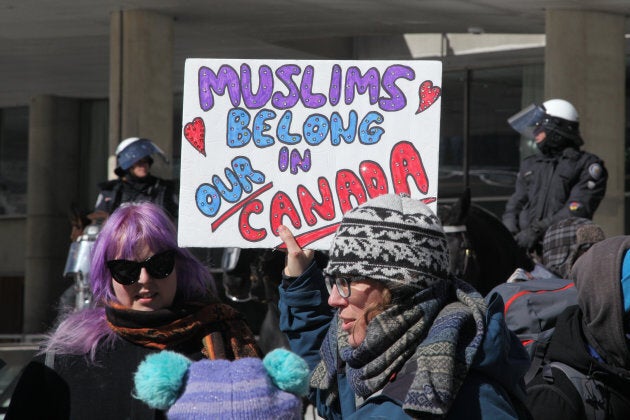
428	95
195	133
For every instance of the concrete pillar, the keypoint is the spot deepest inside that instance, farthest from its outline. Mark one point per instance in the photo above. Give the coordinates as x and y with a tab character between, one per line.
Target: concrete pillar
585	64
141	82
52	184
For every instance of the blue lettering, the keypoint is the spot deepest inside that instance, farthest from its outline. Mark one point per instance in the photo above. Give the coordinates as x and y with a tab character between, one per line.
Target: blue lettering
316	129
238	135
208	200
260	126
243	169
284	126
232	195
337	130
367	134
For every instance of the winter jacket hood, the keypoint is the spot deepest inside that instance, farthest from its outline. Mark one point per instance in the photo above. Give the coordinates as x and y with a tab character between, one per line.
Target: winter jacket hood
597	276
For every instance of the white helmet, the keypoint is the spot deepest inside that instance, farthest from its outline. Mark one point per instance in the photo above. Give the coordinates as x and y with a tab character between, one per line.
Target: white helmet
561	109
131	150
556	117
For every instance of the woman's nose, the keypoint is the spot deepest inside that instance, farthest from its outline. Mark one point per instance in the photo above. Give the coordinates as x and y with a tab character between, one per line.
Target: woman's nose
335	299
144	276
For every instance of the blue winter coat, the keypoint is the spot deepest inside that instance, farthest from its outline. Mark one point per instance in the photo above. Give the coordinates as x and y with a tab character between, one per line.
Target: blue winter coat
494	388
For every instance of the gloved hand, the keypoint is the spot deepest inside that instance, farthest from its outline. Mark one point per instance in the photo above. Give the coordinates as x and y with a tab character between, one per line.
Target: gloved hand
527	238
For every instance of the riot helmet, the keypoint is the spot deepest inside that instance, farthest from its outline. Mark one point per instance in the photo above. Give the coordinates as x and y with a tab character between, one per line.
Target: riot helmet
133	149
557	118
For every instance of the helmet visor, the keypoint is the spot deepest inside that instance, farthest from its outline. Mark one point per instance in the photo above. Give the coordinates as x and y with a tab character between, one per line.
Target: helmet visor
527	120
136	151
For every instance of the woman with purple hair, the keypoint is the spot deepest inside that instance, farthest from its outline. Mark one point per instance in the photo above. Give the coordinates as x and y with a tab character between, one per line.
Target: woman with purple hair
148	295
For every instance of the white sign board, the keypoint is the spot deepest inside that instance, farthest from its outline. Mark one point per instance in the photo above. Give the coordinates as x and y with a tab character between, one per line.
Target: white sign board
299	143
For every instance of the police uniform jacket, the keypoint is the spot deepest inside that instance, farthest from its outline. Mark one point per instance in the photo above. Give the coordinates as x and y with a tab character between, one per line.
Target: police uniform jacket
552	188
129	189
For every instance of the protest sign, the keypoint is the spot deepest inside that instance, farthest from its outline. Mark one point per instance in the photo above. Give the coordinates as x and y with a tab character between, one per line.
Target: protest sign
299	143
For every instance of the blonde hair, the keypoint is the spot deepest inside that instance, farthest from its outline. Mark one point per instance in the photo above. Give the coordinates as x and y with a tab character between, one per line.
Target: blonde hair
376	308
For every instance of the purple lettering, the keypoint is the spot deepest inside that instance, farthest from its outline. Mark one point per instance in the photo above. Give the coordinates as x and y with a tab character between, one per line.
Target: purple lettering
354	80
265	86
285	74
396	100
209	82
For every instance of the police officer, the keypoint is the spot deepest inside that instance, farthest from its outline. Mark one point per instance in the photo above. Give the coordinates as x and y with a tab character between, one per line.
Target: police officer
560	182
135	183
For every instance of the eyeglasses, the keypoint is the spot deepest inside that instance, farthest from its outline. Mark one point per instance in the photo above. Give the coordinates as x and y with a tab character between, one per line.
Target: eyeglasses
342	283
158	266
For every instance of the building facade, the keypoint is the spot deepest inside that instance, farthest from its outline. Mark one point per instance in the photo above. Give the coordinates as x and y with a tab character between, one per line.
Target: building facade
55	149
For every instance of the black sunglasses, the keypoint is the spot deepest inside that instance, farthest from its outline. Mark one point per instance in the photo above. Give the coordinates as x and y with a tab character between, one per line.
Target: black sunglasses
158	266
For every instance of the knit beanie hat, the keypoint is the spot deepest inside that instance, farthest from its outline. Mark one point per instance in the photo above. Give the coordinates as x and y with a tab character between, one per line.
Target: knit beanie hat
393	239
247	388
561	243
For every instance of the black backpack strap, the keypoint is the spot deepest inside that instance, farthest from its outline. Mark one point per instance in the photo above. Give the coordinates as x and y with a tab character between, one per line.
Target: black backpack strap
539	355
584	386
592	391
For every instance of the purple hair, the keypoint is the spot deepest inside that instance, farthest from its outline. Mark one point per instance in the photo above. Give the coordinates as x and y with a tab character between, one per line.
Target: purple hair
131	228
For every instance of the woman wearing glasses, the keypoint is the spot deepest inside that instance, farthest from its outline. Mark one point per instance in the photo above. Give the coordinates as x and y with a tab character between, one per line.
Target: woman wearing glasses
395	336
149	295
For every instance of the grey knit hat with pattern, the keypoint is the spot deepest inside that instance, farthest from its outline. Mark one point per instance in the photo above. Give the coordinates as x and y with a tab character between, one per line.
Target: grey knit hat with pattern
393	239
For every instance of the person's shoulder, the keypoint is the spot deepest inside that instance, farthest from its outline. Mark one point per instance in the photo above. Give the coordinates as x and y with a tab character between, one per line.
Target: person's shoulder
591	157
593	164
531	158
167	183
580	154
530	161
109	184
171	183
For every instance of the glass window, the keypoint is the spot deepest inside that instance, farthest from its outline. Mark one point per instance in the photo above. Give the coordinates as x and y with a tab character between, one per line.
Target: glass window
475	107
450	179
495	95
13	160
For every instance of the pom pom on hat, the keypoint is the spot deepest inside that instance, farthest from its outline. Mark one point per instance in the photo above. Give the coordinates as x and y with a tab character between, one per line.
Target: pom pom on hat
393	239
288	371
159	378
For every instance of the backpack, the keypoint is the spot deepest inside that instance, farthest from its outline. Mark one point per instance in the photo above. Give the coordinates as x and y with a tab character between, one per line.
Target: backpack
532	307
600	400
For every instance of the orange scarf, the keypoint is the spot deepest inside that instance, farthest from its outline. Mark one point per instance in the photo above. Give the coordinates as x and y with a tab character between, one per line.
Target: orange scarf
220	328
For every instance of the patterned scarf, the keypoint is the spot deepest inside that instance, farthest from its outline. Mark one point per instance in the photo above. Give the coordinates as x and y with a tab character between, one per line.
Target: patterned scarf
220	327
441	327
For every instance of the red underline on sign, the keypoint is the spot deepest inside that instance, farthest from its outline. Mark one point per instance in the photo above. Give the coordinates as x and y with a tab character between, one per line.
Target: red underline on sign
428	200
312	236
236	207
